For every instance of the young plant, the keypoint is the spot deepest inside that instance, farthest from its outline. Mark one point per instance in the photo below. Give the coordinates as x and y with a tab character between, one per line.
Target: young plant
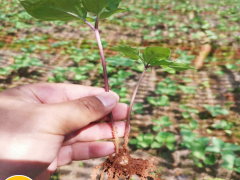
150	57
187	111
161	123
224	125
85	11
216	110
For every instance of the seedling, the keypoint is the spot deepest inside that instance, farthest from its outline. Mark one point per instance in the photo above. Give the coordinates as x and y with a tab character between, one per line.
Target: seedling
160	101
192	125
138	108
161	123
187	89
86	11
224	125
187	111
167	87
216	110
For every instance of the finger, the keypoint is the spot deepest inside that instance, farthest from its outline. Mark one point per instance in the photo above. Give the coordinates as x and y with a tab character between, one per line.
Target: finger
70	116
94	132
48	93
83	151
119	112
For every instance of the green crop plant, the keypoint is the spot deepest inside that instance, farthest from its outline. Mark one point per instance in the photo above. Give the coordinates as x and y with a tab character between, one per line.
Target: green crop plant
167	87
161	123
216	110
223	125
187	111
90	13
205	151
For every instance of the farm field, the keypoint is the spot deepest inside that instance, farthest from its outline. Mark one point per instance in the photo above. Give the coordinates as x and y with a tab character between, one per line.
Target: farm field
189	120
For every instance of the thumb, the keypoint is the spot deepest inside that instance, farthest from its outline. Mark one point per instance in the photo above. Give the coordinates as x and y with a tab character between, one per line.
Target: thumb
70	116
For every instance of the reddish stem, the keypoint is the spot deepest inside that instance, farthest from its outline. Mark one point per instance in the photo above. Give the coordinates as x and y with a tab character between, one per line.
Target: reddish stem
115	134
127	129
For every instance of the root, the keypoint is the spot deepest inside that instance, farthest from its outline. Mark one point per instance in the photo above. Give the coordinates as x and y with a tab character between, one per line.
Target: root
122	165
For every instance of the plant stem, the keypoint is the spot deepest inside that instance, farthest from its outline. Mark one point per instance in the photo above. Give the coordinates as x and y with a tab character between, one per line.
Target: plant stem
89	24
127	129
114	129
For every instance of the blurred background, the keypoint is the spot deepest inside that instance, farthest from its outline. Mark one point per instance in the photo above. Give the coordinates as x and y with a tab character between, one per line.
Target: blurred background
188	120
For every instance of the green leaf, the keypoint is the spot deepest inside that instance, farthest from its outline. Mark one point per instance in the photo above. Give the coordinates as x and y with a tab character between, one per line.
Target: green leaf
52	10
128	51
198	149
148	138
216	110
218	145
140	137
184	126
188	136
237	169
182	106
237	162
193	124
218	142
203	140
213	149
221	125
161	137
187	89
120	61
178	65
94	6
152	101
170	146
228	158
142	145
231	147
170	138
163	88
164	121
110	13
211	159
156	145
156	128
154	55
113	4
133	141
186	115
191	110
198	164
163	101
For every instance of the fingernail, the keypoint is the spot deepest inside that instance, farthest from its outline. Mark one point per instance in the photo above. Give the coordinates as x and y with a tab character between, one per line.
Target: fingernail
107	99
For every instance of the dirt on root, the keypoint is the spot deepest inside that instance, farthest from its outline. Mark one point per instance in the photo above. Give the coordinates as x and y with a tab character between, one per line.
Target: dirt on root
122	165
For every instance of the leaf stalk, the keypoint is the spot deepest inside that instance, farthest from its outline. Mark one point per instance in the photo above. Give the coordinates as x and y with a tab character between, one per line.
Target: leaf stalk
127	129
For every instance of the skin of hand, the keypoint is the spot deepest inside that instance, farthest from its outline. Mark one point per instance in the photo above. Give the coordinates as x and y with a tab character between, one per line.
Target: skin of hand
44	126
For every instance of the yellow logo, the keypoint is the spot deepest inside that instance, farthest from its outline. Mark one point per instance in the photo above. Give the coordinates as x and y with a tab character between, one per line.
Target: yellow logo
18	177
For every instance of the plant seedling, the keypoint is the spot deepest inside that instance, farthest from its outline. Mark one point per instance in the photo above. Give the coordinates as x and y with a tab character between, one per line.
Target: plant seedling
216	110
224	125
64	10
187	111
192	125
86	11
160	101
167	87
161	123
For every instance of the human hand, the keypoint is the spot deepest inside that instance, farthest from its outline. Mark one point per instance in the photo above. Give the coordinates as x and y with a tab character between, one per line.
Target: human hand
43	126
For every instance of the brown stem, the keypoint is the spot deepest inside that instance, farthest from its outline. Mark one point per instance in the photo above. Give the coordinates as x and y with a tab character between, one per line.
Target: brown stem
127	129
